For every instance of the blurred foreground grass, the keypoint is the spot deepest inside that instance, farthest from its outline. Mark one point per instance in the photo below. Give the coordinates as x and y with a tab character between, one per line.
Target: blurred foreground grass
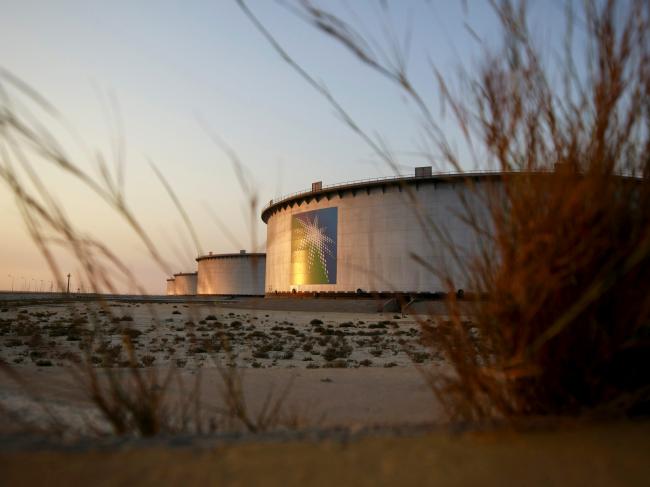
605	454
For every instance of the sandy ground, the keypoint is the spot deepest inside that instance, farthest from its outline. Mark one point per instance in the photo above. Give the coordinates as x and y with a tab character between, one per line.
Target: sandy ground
351	398
188	336
355	387
603	455
338	368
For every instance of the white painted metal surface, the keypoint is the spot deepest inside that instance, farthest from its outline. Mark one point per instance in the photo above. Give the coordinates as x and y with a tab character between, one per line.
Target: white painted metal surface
390	238
171	287
185	284
239	274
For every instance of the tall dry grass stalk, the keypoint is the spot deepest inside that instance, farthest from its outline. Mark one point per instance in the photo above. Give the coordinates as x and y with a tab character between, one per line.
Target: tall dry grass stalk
131	399
27	145
566	325
565	237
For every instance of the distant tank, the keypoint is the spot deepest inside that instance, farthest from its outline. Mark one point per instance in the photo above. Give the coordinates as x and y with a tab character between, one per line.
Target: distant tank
237	274
185	284
171	286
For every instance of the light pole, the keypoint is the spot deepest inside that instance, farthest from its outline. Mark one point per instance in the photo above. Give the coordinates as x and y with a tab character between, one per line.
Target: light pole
24	286
40	289
12	282
68	291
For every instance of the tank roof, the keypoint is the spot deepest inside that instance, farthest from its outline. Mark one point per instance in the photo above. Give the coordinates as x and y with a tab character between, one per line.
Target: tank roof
319	190
398	180
237	255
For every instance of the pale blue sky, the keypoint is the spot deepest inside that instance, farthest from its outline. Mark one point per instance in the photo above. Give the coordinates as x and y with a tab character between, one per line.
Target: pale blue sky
169	63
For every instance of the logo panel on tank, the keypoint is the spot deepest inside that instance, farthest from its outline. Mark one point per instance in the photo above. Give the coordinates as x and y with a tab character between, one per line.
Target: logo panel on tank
313	247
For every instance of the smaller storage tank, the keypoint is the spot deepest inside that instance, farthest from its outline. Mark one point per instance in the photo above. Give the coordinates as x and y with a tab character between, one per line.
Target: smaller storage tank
239	274
185	283
171	286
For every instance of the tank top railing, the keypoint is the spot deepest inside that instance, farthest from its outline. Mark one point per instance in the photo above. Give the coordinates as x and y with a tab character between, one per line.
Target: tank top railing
402	177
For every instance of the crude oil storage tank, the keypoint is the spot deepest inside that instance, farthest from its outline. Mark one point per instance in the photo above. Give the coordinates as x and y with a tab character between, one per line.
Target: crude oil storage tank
384	235
171	286
185	283
240	274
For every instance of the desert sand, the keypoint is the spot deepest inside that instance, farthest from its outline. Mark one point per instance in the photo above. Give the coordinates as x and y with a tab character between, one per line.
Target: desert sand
347	369
360	408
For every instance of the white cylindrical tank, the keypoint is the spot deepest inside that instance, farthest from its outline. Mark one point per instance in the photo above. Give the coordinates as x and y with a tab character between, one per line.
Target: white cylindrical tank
185	283
239	274
401	234
171	287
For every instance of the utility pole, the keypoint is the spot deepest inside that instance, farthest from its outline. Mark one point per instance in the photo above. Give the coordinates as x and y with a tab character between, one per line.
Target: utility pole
68	291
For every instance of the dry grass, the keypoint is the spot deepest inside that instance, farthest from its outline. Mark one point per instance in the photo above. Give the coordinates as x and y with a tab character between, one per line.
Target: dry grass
564	254
594	455
133	400
565	328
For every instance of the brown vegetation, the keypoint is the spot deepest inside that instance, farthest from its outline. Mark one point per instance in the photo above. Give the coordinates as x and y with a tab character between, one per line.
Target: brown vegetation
130	395
565	328
565	254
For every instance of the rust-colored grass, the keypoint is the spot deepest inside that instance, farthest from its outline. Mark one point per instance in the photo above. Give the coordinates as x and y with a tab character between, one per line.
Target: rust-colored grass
564	259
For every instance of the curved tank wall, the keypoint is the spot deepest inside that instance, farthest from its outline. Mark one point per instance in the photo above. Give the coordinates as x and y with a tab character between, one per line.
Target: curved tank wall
185	283
171	287
375	237
232	274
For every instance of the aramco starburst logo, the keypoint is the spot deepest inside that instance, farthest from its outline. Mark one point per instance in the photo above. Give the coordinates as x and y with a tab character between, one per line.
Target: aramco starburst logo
313	247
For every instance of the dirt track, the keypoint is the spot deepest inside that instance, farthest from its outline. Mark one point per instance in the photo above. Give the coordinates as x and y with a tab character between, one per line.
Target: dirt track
318	397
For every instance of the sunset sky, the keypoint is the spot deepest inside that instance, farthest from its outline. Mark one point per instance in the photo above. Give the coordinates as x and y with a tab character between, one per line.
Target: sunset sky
170	64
